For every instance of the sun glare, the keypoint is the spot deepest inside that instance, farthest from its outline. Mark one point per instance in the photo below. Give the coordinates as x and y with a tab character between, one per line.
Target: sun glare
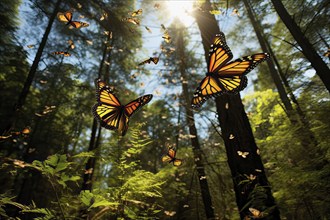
181	10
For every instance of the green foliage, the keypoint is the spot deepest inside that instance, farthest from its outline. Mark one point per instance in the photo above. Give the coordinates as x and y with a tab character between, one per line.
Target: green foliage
4	200
291	168
54	168
92	200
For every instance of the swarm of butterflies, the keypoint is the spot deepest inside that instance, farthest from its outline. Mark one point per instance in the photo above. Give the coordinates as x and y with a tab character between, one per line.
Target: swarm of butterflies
223	76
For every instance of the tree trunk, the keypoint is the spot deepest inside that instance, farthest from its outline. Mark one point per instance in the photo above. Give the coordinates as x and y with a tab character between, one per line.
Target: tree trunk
303	132
238	136
205	192
89	168
321	68
28	82
272	70
94	143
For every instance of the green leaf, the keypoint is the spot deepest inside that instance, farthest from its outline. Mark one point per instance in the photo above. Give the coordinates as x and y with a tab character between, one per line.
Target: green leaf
93	200
84	154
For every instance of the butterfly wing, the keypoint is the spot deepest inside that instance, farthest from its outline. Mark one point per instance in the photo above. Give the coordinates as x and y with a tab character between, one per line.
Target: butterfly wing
166	158
64	17
171	152
136	13
232	75
208	88
255	213
177	162
145	61
219	53
210	85
108	111
170	155
155	60
243	65
136	104
78	24
66	54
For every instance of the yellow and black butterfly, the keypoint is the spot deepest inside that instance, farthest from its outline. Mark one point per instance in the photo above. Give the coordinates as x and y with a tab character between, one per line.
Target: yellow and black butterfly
110	112
170	157
151	59
135	13
64	53
256	213
67	17
135	21
71	44
223	77
148	29
242	153
166	37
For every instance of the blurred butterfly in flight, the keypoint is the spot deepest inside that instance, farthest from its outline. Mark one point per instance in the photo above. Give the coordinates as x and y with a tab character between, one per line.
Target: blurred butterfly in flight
64	53
151	59
135	13
132	20
242	154
24	133
166	37
256	213
110	112
170	157
67	17
224	77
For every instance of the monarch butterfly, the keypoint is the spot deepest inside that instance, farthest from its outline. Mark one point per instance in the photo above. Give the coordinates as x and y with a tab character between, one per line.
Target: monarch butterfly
235	12
135	13
222	76
66	54
110	112
148	29
151	59
67	17
256	213
170	157
167	37
170	213
71	44
163	27
242	154
132	20
26	131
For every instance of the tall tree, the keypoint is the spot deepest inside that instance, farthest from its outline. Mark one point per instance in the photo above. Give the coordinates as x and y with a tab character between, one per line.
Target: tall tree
203	183
297	117
94	139
321	68
238	136
23	94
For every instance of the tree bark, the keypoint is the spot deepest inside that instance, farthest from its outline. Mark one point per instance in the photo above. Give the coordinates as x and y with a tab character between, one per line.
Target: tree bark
321	68
205	192
32	72
238	136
